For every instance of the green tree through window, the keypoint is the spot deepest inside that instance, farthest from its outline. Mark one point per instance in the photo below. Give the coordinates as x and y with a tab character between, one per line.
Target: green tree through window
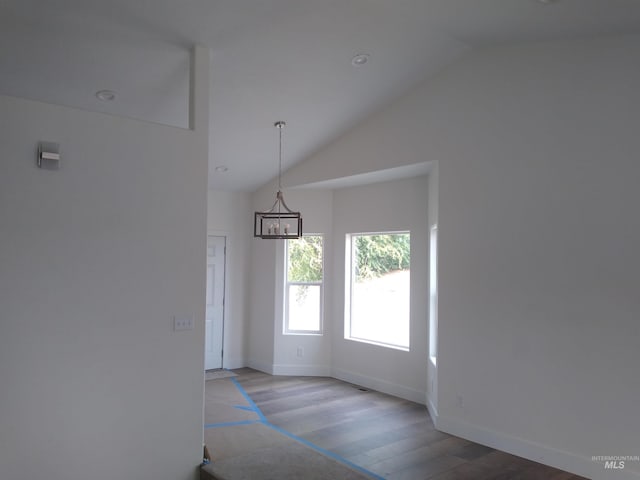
380	254
305	259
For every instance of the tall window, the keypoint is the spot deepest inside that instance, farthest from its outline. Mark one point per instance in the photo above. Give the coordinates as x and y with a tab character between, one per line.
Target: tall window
304	285
433	295
377	289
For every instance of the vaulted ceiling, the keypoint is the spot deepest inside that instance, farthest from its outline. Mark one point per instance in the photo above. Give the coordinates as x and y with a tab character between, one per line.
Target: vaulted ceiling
271	60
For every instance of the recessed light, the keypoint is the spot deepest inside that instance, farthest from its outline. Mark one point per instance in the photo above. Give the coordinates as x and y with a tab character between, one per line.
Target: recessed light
221	168
106	95
360	59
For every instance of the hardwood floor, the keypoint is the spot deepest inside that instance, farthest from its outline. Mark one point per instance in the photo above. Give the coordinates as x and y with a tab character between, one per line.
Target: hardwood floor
391	437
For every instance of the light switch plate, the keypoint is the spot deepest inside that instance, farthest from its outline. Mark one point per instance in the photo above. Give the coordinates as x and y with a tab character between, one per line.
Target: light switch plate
182	322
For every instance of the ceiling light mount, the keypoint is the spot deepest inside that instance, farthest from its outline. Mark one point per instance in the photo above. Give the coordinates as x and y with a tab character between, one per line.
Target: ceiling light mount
279	221
106	95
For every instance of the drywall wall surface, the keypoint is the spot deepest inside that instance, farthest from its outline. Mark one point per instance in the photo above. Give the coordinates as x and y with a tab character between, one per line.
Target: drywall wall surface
262	288
270	349
230	215
374	146
538	263
95	260
262	305
538	231
305	354
399	205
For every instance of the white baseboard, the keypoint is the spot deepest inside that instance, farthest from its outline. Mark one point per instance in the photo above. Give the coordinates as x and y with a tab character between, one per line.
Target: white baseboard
291	370
380	385
570	462
260	366
302	370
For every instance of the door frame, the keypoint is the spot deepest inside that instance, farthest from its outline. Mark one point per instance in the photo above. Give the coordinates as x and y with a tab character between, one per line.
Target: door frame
225	234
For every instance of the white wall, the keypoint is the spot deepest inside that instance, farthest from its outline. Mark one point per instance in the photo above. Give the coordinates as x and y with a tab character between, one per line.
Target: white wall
399	205
229	215
95	259
538	239
262	290
270	349
538	235
315	206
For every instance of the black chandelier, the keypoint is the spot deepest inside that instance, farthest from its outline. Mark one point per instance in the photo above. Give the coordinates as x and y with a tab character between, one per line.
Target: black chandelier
279	221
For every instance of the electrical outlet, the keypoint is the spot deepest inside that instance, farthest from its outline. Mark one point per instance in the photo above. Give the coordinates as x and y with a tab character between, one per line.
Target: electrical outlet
182	322
300	352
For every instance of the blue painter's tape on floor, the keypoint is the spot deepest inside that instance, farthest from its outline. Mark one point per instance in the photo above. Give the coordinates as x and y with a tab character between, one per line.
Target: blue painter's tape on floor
248	399
242	407
329	454
232	424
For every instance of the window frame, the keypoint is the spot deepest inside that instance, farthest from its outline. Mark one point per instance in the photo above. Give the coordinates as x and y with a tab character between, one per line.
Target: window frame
350	272
287	284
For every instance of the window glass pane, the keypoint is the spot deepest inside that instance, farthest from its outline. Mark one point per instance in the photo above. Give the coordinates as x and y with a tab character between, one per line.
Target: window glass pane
305	259
379	289
303	289
304	307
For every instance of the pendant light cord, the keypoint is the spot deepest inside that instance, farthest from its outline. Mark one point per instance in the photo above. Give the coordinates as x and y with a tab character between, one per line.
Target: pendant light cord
280	125
280	200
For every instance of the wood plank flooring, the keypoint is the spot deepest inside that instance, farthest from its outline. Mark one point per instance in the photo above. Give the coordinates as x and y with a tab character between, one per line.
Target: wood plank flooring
392	437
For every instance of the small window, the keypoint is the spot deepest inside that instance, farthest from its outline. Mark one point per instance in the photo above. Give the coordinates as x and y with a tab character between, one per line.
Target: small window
304	285
377	289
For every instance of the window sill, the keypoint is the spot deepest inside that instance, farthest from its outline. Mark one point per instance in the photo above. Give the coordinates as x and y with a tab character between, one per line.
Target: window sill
379	344
306	334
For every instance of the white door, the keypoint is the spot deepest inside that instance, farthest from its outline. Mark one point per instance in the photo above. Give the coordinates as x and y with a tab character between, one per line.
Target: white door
214	325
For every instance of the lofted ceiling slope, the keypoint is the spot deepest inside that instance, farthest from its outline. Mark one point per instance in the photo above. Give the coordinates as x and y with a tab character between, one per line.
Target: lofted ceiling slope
271	60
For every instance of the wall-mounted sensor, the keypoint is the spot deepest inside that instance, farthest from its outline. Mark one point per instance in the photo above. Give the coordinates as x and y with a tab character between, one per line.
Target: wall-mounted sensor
48	155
